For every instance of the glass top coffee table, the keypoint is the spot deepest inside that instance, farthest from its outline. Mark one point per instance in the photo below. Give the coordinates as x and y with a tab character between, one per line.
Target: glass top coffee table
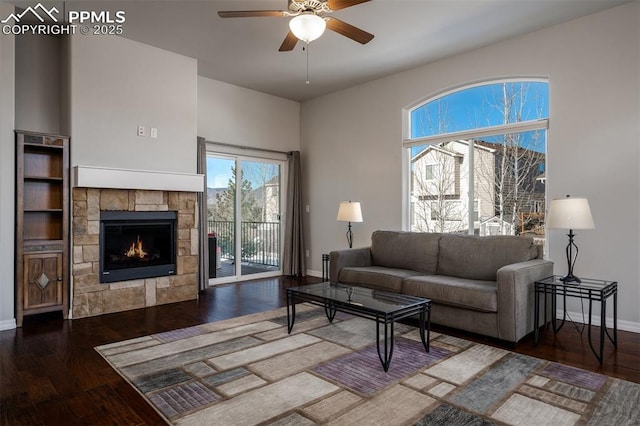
382	307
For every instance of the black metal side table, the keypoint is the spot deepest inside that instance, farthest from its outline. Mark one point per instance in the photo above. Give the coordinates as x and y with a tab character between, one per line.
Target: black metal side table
590	289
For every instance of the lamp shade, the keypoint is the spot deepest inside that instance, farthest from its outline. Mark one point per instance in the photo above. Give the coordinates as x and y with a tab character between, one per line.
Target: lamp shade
307	26
570	213
349	212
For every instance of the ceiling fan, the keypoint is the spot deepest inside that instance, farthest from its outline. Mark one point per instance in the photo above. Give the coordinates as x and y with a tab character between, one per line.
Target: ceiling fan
309	20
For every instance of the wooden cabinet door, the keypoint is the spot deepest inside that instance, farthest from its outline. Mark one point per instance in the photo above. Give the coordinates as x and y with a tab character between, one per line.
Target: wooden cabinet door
42	285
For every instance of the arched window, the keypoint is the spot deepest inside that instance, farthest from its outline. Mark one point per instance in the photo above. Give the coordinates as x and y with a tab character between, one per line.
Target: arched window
476	160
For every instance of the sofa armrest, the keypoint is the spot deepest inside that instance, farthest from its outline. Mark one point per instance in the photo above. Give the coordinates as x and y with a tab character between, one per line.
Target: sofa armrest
515	286
338	259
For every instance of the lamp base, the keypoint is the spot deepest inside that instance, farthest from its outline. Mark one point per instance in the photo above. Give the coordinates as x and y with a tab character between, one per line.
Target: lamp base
571	261
349	236
571	279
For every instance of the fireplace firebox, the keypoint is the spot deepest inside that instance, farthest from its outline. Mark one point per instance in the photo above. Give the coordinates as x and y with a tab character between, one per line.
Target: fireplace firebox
135	245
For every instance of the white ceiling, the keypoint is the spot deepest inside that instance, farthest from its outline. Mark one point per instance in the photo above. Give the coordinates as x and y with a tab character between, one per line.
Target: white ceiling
408	33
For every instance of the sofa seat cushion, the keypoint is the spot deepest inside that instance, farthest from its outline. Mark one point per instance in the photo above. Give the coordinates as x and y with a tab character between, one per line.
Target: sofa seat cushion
471	294
417	251
479	258
376	277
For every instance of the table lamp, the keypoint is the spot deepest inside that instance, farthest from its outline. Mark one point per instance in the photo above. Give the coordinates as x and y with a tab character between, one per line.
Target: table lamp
570	213
349	212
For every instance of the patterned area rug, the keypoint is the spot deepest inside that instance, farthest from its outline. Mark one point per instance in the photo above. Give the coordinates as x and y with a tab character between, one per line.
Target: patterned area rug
248	370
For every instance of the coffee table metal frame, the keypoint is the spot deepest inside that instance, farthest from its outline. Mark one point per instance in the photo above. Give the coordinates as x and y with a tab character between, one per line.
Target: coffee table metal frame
406	306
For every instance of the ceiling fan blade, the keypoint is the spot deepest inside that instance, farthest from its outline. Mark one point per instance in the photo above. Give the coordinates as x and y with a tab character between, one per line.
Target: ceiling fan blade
249	13
348	30
289	43
342	4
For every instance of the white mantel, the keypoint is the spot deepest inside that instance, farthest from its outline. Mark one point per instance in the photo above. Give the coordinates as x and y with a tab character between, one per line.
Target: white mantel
102	177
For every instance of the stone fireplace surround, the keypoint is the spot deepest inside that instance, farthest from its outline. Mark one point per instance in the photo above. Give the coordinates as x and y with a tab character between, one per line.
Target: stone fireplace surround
89	296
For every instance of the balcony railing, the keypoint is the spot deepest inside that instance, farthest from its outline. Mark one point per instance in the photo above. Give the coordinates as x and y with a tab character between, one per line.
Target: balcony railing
260	241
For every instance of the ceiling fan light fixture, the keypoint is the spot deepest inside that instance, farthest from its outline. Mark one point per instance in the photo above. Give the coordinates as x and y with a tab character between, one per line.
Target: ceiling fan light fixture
307	26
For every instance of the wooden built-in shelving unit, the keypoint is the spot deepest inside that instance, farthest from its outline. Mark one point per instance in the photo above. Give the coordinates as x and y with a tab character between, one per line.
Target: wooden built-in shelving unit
42	224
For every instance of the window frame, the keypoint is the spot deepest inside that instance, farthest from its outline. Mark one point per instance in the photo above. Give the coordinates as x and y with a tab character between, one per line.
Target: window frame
429	172
408	142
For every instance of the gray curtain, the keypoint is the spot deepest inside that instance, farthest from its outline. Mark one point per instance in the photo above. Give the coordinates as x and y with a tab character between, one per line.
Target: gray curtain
293	262
203	270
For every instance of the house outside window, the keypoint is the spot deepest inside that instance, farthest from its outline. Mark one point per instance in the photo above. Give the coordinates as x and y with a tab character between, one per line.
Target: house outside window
484	176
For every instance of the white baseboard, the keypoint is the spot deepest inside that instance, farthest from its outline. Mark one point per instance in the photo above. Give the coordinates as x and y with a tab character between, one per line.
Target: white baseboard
8	324
313	273
633	327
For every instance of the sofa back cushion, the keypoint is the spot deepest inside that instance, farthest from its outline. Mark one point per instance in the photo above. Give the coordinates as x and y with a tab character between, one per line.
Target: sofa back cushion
468	256
417	251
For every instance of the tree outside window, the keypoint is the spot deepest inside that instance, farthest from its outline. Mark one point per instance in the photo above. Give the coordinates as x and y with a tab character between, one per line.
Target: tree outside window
490	179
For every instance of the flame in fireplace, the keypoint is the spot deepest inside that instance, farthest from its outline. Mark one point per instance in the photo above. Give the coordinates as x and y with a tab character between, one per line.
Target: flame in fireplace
136	250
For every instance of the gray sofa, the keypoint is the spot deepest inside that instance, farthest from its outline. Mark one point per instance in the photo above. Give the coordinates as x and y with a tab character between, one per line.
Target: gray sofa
479	284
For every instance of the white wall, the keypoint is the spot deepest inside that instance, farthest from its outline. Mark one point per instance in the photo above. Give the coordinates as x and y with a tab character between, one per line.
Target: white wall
104	88
117	84
593	65
38	83
7	173
239	116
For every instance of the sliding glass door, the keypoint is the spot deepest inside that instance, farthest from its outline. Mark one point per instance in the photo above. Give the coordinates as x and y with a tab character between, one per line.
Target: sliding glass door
244	201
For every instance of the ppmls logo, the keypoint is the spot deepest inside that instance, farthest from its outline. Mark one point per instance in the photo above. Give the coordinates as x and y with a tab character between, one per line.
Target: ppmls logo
34	11
80	21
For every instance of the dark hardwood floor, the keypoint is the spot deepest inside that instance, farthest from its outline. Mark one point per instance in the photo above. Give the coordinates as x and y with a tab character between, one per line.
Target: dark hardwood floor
51	375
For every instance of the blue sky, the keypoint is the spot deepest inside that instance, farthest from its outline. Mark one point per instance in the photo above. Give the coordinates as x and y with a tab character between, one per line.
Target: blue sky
219	171
479	106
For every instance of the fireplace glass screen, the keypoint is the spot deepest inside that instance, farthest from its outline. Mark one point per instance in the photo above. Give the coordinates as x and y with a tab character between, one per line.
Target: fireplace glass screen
136	245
